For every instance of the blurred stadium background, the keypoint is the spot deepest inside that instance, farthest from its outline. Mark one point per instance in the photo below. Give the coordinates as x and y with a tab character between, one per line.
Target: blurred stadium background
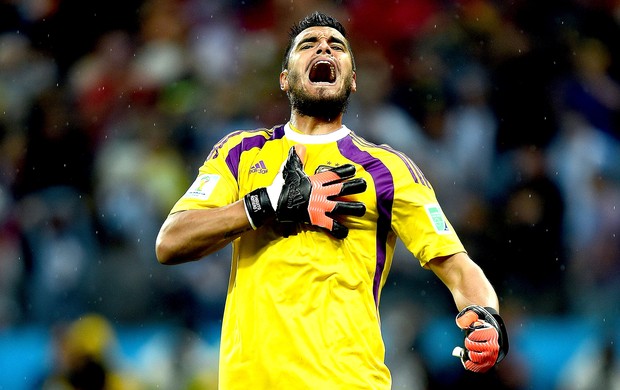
107	108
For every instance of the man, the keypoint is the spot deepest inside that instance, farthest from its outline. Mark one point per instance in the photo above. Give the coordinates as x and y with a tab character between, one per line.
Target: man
312	245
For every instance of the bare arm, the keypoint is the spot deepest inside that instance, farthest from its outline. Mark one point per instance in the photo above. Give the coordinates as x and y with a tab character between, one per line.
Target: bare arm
192	234
465	280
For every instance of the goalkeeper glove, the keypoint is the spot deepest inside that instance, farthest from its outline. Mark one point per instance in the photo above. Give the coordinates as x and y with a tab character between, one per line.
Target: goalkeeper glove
296	197
486	339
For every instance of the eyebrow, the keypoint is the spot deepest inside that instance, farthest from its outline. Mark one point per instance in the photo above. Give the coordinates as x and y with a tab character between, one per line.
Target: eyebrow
314	38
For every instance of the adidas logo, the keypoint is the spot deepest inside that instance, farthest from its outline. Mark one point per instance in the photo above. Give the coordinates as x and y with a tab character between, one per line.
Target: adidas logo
259	167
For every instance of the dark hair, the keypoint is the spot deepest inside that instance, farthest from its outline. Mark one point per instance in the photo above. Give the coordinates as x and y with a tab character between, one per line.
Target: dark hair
315	19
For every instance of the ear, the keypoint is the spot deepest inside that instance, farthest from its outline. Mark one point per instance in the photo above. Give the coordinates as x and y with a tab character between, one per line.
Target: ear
354	82
284	80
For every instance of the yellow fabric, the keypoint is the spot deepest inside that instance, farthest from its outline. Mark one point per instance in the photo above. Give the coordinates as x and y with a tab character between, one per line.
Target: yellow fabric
302	311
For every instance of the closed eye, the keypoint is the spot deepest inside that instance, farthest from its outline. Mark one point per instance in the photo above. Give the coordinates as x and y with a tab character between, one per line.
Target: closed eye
311	42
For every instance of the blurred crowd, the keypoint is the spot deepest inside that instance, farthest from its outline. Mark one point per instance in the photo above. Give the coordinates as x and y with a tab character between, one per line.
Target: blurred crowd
108	108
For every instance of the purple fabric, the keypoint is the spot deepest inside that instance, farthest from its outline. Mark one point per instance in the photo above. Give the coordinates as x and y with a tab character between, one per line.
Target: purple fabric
384	187
257	141
416	173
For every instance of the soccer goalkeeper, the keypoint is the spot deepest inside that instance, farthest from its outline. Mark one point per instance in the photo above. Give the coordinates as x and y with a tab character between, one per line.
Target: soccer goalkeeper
313	212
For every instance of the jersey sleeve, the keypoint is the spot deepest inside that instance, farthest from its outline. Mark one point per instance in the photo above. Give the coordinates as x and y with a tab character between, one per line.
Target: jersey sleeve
417	217
215	185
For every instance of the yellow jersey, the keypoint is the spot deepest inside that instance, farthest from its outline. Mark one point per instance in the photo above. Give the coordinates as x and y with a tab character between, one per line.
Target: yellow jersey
302	311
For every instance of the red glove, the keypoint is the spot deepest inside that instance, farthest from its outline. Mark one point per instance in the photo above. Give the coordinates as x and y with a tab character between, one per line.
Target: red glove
295	197
486	340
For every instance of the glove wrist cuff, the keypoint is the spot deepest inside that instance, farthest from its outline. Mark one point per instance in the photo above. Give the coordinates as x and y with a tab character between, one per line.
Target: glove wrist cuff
492	316
492	311
258	207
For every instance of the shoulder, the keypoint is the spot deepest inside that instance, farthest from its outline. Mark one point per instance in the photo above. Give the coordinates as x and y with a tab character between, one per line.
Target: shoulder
383	157
383	152
243	140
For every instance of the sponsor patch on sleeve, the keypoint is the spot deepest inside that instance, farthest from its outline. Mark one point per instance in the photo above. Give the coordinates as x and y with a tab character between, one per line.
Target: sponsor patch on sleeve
202	187
437	218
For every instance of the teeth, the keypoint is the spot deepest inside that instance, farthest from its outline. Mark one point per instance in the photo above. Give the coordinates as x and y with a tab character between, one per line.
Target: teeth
323	71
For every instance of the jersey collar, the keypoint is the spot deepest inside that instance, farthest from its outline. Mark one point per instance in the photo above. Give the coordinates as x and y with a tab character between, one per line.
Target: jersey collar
315	139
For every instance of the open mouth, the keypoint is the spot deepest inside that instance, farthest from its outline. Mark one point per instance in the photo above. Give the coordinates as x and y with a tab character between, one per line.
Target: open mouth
323	72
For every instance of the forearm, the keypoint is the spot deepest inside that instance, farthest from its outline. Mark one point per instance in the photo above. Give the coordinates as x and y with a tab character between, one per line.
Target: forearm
475	290
192	234
466	281
486	340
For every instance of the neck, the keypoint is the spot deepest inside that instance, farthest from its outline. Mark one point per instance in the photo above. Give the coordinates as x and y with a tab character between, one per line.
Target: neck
314	126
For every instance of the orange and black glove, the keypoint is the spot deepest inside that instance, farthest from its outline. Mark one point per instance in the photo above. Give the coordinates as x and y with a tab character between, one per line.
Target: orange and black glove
486	339
296	197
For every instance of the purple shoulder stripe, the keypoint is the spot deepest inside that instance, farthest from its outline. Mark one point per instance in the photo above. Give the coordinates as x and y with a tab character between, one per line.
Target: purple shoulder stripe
215	151
384	188
414	170
249	142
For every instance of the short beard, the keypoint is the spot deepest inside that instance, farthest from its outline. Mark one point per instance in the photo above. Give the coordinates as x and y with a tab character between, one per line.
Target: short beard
327	108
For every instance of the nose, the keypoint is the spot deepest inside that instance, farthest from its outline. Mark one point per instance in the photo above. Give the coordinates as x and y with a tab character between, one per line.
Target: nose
323	47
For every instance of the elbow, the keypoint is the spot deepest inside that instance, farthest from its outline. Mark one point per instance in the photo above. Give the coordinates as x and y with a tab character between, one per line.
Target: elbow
169	252
165	254
167	244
